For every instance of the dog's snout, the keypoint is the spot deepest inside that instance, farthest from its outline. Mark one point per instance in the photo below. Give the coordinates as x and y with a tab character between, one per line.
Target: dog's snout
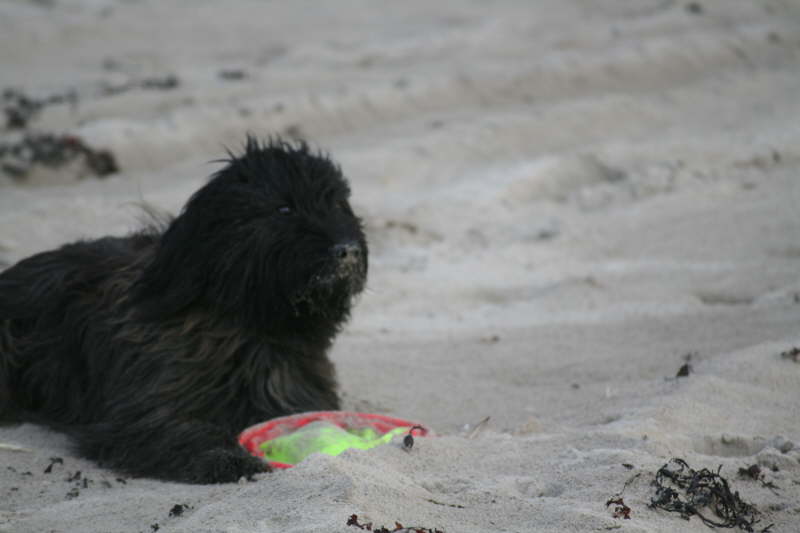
348	250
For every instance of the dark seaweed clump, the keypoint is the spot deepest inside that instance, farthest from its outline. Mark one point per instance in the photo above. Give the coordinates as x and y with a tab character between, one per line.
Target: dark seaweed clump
702	493
20	108
398	527
50	150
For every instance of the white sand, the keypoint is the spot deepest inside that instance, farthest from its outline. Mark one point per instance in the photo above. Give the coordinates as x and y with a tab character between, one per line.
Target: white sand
563	199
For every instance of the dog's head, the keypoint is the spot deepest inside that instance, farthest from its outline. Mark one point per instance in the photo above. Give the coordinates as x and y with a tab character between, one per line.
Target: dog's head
270	237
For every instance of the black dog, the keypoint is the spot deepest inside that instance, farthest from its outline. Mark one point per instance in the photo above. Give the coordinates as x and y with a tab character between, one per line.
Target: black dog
155	350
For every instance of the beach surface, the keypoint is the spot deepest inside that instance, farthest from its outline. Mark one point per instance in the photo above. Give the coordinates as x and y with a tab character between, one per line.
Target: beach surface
567	202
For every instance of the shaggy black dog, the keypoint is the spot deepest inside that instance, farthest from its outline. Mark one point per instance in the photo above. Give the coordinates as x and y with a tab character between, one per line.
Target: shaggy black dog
155	350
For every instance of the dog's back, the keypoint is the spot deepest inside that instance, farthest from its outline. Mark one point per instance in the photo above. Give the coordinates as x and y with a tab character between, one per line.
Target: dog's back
41	326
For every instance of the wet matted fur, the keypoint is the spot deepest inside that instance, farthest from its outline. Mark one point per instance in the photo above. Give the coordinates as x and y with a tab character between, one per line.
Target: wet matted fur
153	351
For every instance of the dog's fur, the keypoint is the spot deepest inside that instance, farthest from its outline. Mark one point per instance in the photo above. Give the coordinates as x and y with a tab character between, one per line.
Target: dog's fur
155	350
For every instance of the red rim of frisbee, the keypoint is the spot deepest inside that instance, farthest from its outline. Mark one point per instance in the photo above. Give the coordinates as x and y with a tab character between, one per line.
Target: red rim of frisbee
252	437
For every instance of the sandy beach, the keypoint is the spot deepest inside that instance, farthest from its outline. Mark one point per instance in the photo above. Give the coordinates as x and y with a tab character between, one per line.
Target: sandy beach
566	202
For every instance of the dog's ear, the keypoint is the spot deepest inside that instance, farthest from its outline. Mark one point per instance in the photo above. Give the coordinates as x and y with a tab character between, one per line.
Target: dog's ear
170	283
201	261
193	254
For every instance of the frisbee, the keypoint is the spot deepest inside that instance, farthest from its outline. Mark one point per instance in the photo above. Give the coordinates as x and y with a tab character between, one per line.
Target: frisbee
284	442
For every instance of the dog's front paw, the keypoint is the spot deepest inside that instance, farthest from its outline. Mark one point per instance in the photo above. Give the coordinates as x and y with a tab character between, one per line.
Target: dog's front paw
222	465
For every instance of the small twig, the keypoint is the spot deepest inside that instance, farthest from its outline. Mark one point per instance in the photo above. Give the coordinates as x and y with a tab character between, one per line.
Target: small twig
455	505
479	427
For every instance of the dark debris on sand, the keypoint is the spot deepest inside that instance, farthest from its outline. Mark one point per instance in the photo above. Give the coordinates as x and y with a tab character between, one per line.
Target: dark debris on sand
695	8
702	493
398	527
158	83
53	461
792	354
20	108
686	368
620	509
755	473
232	74
18	158
178	509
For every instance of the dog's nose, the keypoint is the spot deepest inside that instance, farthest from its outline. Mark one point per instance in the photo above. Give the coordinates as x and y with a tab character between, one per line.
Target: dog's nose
347	250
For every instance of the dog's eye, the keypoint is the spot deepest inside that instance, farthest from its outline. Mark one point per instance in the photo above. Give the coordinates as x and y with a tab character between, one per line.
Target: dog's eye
285	210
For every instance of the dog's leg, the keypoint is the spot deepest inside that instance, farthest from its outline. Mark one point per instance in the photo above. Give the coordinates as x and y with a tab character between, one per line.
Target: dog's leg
188	451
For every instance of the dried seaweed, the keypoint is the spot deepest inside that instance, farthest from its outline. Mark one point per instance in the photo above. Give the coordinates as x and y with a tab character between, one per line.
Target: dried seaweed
53	461
686	368
792	354
53	151
159	83
621	510
398	527
232	74
680	489
178	509
754	472
20	108
453	505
